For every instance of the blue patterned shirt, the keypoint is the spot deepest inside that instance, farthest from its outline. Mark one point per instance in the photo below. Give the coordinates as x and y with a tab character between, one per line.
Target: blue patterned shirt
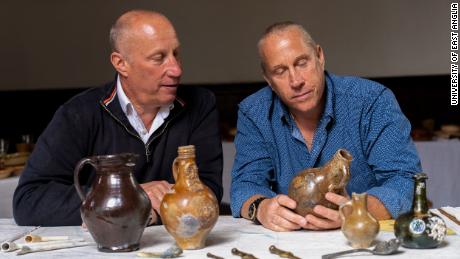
360	115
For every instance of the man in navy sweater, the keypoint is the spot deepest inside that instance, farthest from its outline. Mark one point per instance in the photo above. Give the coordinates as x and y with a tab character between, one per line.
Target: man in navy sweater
144	111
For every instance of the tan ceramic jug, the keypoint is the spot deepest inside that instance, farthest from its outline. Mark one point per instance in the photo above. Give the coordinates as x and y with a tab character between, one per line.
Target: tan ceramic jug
309	187
358	225
116	209
190	210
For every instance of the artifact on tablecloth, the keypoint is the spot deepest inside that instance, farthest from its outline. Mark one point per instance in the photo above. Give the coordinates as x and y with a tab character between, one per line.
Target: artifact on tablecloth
358	225
419	228
389	225
48	246
172	252
242	254
281	253
213	256
381	248
35	238
116	210
310	186
190	210
8	245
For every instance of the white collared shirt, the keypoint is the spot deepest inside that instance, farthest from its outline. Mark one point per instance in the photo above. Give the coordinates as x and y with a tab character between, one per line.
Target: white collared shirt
134	118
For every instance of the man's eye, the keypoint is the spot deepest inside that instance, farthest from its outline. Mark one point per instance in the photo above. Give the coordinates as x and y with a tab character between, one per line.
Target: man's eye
279	71
302	62
158	58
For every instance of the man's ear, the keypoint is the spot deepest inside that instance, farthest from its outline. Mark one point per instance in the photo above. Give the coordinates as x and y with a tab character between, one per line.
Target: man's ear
269	82
320	55
119	63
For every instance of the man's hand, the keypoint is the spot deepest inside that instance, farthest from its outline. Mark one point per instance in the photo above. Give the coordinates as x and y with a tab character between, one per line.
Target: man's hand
275	214
156	190
331	219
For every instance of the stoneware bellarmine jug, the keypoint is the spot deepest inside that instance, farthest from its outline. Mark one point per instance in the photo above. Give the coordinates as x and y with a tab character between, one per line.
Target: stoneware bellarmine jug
116	209
190	210
309	187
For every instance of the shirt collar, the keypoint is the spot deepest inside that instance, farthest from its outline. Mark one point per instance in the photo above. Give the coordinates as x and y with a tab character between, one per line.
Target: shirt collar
127	106
125	103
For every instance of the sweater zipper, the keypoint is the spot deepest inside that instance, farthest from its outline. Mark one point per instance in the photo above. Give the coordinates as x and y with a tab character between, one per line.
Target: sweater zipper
146	146
147	153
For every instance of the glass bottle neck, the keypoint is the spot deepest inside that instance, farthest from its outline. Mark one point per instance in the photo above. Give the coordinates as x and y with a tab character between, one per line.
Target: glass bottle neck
420	203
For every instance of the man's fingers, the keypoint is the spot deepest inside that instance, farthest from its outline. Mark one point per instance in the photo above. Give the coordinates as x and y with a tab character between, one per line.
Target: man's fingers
335	198
274	214
292	217
322	223
327	213
285	201
284	223
311	226
156	190
277	228
156	202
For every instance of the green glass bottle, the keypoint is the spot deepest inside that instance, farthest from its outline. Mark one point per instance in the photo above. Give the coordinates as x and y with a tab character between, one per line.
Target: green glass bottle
419	228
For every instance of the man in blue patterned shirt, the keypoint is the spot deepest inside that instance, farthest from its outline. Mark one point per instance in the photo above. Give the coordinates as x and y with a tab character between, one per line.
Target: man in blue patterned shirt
300	120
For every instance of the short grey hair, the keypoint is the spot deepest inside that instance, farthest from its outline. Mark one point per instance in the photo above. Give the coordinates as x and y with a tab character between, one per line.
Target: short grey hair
114	36
282	27
124	22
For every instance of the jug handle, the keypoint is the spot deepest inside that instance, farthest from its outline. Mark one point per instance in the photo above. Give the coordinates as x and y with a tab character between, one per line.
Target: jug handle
348	204
175	167
76	175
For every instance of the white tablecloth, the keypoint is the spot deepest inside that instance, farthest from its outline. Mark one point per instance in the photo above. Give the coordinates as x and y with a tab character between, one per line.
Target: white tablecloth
229	233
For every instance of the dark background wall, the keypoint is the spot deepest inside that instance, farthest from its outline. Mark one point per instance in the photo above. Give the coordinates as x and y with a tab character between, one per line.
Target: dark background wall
63	43
53	49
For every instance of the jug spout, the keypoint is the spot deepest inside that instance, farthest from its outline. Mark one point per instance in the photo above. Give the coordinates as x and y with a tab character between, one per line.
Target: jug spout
341	169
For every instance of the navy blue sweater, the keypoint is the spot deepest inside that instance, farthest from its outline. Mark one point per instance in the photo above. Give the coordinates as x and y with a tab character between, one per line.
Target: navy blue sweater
93	123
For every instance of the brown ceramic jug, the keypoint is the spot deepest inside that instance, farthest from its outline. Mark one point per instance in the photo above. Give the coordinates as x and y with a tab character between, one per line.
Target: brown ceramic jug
358	225
309	187
116	209
190	210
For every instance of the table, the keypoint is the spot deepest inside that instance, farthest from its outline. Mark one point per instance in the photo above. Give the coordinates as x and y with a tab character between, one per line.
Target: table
228	233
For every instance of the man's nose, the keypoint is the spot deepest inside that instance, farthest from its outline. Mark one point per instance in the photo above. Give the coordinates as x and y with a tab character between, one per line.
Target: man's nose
295	78
174	68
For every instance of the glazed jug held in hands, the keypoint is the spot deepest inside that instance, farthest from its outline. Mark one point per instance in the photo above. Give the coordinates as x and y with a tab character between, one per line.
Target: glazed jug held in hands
190	210
418	228
358	225
309	187
116	209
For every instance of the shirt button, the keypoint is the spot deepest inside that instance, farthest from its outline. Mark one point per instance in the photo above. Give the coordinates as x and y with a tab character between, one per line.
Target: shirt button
144	132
